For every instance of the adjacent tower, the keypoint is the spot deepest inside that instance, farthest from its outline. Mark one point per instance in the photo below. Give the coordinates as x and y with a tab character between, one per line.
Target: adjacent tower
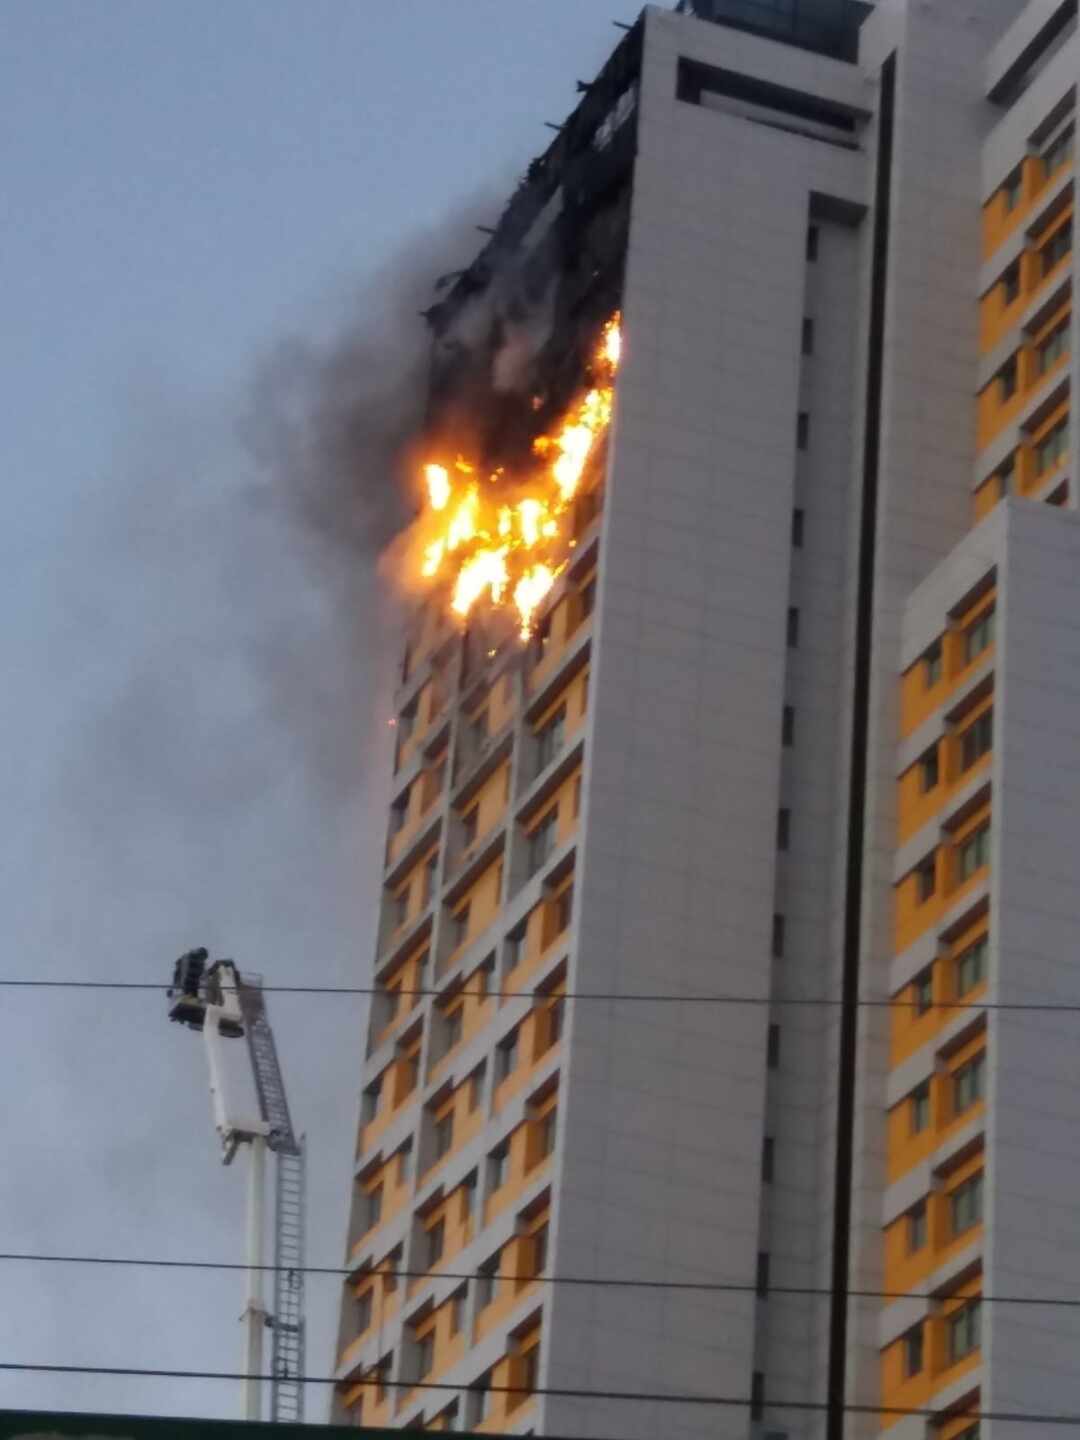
698	903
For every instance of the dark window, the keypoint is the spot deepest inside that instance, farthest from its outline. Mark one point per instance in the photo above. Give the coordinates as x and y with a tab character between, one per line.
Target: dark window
787	727
564	909
783	829
1004	475
812	242
978	635
923	991
373	1207
777	936
926	880
768	1157
1058	152
434	1241
1007	379
757	1395
540	1249
364	1307
485	1281
530	1363
797	521
932	665
971	966
976	740
802	430
965	1205
928	769
1056	248
1050	350
793	626
807	335
548	1123
498	1167
506	1055
913	1351
515	946
964	1327
476	1086
460	926
588	598
1052	448
1010	283
916	1227
457	1312
469	826
455	1024
444	1134
968	1083
1013	189
549	739
542	840
555	1018
425	1355
772	1047
920	1108
973	853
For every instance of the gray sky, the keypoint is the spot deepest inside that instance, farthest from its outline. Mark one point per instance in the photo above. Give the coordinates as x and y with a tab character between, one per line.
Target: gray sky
193	734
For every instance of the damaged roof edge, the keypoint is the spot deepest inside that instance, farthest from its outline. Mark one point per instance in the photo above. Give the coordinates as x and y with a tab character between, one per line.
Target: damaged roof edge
545	174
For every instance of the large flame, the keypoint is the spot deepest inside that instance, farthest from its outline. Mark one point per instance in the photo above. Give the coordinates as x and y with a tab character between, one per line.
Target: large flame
506	542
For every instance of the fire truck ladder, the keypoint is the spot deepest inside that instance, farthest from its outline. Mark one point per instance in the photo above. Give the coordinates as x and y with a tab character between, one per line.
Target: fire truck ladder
287	1322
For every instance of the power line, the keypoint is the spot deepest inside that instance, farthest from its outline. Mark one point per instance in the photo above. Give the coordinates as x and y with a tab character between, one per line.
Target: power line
660	998
563	1393
602	1282
559	1392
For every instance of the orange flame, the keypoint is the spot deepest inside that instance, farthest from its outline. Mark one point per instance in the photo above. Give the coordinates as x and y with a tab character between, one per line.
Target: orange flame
509	549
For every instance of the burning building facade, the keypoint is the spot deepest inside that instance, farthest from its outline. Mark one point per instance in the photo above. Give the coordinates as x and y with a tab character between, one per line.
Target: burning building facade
721	825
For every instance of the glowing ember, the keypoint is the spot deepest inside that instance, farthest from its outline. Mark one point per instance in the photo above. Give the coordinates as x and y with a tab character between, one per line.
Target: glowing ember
507	547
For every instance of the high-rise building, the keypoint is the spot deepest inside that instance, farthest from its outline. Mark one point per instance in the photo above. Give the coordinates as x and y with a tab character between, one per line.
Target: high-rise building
708	909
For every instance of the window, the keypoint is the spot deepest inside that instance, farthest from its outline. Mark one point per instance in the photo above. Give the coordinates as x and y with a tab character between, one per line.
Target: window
515	946
444	1134
1050	350
542	840
576	808
812	242
506	1056
978	635
797	524
382	1375
971	966
964	1331
468	1197
1012	189
498	1166
404	1158
390	1274
965	1204
922	991
401	907
485	1281
543	633
548	1123
919	1107
928	770
434	1243
1052	447
459	926
587	598
1007	380
772	1047
931	663
455	1026
913	1351
975	741
1004	476
787	726
555	1017
564	909
757	1394
372	1097
783	829
431	871
926	879
1058	151
470	826
1056	248
425	1355
364	1311
778	927
916	1227
457	1311
398	812
549	739
476	1086
480	1400
802	430
768	1157
793	627
1010	283
967	1086
807	335
540	1249
530	1364
973	853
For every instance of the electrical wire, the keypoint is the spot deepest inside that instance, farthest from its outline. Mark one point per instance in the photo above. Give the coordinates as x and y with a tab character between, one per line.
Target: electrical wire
1054	1007
1007	1417
603	1282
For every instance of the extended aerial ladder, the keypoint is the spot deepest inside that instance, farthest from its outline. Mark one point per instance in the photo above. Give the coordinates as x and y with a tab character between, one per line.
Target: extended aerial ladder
226	1005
